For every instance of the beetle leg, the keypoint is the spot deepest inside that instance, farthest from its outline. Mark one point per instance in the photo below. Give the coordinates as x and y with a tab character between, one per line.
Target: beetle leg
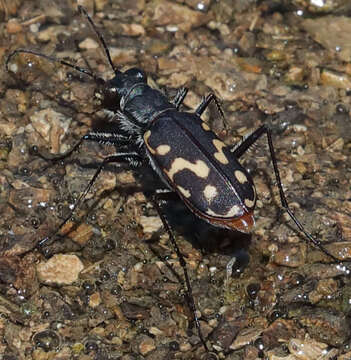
57	157
204	104
206	101
117	140
108	138
179	98
189	293
133	159
240	150
249	140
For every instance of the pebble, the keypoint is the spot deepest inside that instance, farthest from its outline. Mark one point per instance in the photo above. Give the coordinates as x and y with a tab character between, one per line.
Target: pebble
61	269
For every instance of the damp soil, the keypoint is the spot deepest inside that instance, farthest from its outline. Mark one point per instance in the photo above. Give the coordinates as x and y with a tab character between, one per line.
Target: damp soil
109	284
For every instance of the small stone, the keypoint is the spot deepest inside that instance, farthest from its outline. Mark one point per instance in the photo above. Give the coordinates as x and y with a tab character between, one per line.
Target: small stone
132	29
150	224
269	106
337	145
13	27
126	178
24	197
171	14
88	44
80	234
343	220
122	56
50	33
245	337
279	331
250	65
248	42
292	255
157	46
332	33
276	55
325	288
100	4
295	75
335	79
94	300
185	347
134	312
325	325
61	269
52	126
310	349
146	345
346	356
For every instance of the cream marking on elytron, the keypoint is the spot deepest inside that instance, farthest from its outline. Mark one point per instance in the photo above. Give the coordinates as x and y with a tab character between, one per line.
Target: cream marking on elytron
219	145
205	126
240	176
210	192
146	139
163	149
199	168
185	192
249	203
234	211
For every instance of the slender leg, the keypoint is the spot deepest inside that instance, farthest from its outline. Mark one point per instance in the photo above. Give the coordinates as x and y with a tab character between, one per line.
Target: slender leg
100	137
108	138
240	150
179	98
133	159
205	102
58	157
181	94
189	293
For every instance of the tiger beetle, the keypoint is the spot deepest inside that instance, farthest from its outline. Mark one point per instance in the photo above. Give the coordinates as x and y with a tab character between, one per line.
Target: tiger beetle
180	147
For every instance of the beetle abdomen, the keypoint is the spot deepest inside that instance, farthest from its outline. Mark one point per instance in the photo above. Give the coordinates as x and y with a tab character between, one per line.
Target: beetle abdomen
199	166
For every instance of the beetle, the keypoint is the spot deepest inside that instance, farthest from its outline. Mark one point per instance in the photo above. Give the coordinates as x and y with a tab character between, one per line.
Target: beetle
183	151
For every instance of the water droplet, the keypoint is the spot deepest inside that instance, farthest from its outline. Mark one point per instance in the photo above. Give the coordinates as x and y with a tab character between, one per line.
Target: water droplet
48	340
232	87
200	6
299	12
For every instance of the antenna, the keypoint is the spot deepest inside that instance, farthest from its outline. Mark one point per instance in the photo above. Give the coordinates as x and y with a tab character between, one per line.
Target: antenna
52	59
82	10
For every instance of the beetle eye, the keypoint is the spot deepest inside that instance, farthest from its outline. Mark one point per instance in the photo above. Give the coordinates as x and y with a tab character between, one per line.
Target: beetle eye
137	73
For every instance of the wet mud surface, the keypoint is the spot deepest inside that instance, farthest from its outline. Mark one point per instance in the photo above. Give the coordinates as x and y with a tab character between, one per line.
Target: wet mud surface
109	285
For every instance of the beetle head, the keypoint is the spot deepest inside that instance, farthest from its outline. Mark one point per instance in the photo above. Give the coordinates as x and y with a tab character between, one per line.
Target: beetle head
110	93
